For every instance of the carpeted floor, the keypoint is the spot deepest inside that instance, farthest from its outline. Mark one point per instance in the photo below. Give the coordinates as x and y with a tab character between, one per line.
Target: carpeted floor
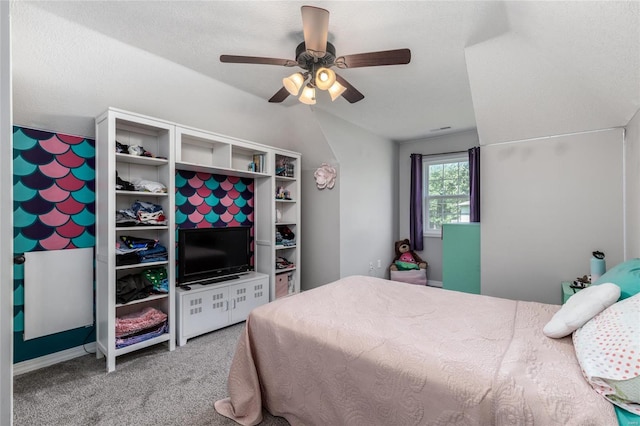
149	387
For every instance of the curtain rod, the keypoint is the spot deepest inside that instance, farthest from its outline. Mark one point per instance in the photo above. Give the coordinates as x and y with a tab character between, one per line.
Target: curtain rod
447	153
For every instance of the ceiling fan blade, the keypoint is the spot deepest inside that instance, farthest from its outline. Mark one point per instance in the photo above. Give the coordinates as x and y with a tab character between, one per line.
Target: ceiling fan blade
235	59
374	59
351	94
315	25
280	96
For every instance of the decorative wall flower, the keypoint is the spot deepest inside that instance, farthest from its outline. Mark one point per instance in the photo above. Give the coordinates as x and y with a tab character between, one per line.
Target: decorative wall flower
325	176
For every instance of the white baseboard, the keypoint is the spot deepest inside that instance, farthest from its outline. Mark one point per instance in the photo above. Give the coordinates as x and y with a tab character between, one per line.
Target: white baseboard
432	283
51	359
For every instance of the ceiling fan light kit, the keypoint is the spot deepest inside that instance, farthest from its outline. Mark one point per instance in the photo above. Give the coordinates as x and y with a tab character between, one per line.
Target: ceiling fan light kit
308	95
316	56
293	83
336	90
325	77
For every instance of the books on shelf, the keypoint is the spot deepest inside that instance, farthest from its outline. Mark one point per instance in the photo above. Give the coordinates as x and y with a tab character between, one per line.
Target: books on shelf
258	164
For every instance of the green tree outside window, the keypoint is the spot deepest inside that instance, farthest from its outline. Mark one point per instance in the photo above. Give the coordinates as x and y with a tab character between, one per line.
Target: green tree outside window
446	190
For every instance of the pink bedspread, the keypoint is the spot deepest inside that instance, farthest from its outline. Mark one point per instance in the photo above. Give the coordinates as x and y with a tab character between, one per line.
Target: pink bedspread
367	351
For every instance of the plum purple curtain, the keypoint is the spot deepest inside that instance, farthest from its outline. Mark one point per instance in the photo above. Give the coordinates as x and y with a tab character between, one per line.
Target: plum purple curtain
474	183
415	209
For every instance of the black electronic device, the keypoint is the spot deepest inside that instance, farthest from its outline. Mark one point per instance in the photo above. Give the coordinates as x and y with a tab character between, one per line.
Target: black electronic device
208	254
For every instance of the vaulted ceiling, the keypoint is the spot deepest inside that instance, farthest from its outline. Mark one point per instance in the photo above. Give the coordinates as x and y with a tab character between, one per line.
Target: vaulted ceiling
514	70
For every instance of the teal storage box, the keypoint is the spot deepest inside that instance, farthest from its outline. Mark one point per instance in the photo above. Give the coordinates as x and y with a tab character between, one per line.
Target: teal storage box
461	257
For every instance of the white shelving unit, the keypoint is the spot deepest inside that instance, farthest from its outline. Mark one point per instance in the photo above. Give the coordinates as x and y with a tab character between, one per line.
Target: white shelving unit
186	148
284	212
201	151
157	137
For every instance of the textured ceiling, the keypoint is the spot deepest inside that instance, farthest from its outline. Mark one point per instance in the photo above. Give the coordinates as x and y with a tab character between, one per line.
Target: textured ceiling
516	57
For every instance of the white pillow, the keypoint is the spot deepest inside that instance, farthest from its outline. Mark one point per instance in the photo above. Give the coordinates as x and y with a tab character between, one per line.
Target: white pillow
580	308
608	349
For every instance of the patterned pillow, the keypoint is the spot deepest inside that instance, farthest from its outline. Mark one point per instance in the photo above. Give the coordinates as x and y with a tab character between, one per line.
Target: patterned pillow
608	349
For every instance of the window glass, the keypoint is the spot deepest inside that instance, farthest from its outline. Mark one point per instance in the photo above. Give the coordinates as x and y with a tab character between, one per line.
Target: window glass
446	191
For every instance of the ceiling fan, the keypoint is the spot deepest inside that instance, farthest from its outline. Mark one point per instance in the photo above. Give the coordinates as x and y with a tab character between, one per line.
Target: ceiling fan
316	56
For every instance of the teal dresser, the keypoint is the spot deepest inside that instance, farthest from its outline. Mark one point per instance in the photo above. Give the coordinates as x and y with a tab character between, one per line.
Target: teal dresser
461	257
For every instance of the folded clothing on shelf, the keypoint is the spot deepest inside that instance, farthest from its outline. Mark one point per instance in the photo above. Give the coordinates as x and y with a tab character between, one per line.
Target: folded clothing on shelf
156	254
141	213
141	320
136	150
148	213
131	250
282	263
124	218
127	259
138	243
145	185
140	185
284	236
122	342
140	326
132	287
123	185
158	279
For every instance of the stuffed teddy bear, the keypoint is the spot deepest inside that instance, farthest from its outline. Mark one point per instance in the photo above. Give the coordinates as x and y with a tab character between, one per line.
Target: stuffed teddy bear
406	258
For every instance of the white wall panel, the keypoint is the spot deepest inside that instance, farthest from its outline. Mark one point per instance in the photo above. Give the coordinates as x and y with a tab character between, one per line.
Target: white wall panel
546	205
58	291
632	188
6	220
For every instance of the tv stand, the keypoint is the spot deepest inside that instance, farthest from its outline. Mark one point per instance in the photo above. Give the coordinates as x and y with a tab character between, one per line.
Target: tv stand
219	280
208	307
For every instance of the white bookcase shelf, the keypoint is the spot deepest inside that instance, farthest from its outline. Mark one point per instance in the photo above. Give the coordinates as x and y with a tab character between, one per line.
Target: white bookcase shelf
218	170
177	147
143	301
135	159
156	137
198	150
285	212
146	264
144	344
141	194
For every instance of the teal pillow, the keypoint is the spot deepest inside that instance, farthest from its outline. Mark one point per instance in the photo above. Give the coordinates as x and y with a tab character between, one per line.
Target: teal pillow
625	275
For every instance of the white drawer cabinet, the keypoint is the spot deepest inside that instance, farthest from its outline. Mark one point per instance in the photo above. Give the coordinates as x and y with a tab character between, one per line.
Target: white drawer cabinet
206	308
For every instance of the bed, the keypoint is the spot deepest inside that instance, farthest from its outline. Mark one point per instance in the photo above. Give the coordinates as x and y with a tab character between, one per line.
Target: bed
368	351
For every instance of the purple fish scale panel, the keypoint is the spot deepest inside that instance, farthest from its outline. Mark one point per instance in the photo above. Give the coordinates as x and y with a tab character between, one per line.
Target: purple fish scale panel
54	197
205	200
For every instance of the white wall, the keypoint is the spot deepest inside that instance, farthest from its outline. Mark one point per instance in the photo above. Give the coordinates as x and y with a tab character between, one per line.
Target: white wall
367	188
461	141
530	82
632	187
546	205
321	231
88	72
6	222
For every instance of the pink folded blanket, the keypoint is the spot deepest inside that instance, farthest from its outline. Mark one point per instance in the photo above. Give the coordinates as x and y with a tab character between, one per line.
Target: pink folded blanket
140	320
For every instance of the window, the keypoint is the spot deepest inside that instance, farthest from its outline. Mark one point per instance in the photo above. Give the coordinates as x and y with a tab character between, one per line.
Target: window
446	191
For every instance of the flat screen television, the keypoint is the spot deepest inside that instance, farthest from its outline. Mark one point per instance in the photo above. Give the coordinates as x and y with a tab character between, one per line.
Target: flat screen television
213	254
